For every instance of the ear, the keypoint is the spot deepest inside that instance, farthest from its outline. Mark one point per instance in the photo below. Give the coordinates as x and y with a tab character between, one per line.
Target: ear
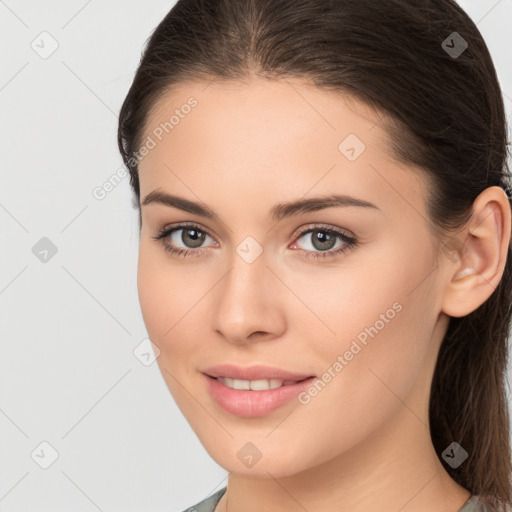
481	255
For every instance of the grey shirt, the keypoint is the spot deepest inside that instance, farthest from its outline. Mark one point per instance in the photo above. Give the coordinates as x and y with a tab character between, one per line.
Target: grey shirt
474	504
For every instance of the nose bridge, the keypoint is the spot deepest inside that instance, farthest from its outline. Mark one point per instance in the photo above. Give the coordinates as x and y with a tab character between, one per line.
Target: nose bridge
246	299
246	280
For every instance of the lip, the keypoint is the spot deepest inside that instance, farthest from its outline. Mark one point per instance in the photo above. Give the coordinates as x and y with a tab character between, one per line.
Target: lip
253	404
257	372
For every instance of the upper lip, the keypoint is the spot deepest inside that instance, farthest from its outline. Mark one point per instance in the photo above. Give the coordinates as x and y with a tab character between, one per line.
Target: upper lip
257	372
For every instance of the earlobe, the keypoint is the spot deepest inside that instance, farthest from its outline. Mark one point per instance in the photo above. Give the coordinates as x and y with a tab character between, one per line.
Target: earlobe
484	245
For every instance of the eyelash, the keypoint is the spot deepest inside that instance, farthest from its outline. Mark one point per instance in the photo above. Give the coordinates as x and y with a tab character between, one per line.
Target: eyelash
350	242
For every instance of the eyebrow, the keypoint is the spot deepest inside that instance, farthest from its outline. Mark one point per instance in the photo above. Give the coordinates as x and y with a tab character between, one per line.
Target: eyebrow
277	213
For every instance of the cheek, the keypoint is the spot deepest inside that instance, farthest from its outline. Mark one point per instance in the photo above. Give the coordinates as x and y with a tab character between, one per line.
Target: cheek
152	293
170	300
367	299
162	298
381	314
381	360
162	306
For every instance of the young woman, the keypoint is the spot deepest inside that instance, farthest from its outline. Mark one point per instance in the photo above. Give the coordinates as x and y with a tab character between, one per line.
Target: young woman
325	239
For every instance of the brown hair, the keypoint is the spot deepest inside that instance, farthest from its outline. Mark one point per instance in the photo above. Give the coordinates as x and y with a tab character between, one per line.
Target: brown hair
447	116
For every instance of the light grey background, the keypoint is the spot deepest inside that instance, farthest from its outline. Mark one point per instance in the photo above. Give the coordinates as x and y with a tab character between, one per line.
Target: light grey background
69	325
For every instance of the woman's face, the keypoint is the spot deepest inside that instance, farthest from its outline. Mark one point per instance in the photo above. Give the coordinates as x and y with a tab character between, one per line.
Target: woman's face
257	288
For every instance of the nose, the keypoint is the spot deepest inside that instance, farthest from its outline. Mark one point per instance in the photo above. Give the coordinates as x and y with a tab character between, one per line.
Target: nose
248	303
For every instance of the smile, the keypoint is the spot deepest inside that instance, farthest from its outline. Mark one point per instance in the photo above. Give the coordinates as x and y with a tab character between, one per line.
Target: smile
254	398
255	385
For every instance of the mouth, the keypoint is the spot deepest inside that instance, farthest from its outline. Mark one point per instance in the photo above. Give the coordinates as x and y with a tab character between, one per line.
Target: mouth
256	374
256	385
255	397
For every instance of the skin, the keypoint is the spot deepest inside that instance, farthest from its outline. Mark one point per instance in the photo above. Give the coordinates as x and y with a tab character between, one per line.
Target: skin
363	443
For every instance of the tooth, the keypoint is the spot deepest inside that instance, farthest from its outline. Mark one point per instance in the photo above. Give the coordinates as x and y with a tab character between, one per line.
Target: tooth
275	383
254	385
260	385
226	381
241	384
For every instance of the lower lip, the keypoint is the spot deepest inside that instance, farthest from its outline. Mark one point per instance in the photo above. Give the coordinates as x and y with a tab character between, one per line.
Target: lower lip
252	404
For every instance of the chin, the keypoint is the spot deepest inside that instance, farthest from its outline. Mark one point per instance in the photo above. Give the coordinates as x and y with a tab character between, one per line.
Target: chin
234	455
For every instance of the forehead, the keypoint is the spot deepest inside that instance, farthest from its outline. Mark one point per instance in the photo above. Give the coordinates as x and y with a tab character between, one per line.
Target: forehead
283	137
258	105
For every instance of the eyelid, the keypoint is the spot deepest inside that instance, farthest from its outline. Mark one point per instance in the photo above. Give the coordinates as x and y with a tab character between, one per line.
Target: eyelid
184	225
308	228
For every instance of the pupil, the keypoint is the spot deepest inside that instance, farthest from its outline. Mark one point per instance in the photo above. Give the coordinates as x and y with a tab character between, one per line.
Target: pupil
323	238
196	238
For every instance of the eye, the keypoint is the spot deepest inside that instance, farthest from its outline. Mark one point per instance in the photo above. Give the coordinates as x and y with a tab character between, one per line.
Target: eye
324	240
192	236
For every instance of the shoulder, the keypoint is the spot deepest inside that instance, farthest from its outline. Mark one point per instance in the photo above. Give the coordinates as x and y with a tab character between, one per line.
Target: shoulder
209	503
479	503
